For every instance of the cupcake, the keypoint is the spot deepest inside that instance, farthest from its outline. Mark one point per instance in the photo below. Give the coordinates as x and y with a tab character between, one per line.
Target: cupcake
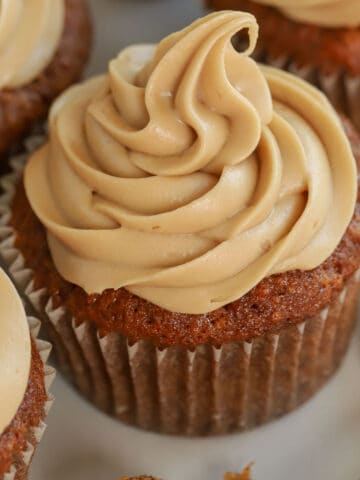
318	40
44	46
245	475
188	235
24	383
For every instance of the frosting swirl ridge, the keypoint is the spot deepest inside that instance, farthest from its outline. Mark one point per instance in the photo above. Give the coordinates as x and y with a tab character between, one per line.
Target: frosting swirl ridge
30	31
188	173
327	13
15	352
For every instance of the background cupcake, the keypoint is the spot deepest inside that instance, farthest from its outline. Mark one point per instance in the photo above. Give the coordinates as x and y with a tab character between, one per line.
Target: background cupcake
195	263
43	49
245	475
24	384
317	40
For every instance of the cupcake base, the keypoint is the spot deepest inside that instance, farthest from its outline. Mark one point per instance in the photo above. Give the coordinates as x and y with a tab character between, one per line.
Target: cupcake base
208	390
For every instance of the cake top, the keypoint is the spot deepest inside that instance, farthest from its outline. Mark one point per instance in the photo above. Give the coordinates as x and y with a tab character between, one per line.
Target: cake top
30	31
15	351
327	13
189	173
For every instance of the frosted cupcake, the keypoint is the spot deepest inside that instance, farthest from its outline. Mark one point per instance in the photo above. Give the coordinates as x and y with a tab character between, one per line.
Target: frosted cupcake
24	383
188	234
319	40
44	45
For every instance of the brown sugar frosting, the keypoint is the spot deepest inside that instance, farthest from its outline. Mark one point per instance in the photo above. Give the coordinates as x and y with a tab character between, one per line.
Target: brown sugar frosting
15	351
30	32
327	13
188	173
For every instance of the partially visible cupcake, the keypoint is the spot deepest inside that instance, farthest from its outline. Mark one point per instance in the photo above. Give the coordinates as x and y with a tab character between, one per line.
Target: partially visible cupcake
188	234
245	475
319	40
44	46
24	383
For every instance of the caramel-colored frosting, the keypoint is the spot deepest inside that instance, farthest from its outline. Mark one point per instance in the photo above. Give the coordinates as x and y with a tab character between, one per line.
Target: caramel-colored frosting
326	13
177	177
30	31
15	352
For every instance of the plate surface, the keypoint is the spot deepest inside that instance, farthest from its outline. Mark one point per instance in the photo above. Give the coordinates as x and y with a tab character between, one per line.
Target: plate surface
319	441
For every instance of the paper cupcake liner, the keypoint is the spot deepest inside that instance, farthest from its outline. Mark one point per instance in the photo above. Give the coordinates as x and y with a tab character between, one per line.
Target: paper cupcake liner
20	467
179	391
342	89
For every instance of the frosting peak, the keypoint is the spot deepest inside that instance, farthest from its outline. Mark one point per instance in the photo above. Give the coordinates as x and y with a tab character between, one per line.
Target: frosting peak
178	124
15	352
188	173
30	32
327	13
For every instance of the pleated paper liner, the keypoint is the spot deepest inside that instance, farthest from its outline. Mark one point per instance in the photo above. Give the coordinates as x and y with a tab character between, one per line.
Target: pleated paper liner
342	89
19	469
176	390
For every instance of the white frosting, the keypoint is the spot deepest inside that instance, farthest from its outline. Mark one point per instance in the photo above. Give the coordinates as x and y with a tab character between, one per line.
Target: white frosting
327	13
15	352
30	32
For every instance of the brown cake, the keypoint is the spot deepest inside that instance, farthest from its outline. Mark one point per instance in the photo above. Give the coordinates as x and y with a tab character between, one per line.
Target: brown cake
25	104
187	360
26	412
325	55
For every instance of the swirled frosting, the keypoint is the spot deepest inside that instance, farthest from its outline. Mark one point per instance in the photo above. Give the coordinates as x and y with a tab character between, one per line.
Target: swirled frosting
15	351
327	13
188	173
30	32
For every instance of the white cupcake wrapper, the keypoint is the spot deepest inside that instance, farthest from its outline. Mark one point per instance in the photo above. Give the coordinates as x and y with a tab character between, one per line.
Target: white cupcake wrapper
342	89
177	390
